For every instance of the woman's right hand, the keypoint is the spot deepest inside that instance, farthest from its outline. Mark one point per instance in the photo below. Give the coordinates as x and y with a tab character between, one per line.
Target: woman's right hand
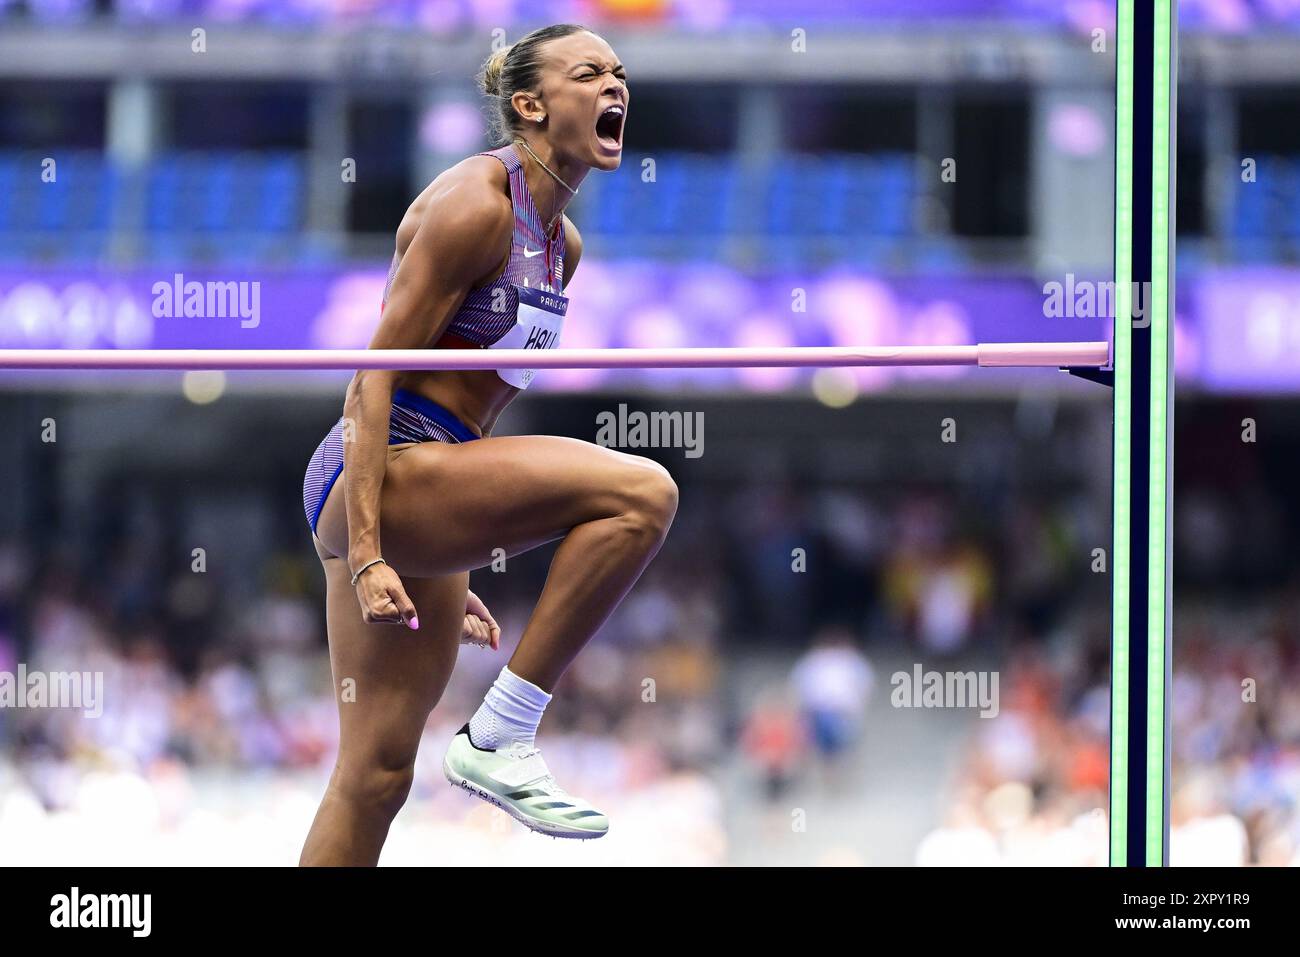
383	599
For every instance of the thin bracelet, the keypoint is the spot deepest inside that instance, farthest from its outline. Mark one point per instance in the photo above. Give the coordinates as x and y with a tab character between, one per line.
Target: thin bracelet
357	576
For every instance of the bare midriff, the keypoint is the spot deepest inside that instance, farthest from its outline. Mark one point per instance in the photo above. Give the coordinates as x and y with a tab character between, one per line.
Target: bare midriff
475	396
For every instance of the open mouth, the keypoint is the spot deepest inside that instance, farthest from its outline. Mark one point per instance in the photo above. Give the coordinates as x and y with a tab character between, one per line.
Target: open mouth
609	128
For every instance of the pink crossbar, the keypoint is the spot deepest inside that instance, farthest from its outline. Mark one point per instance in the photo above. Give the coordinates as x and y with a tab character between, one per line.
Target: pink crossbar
999	354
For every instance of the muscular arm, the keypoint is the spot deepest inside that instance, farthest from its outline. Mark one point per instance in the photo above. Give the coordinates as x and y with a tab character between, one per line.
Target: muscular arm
461	238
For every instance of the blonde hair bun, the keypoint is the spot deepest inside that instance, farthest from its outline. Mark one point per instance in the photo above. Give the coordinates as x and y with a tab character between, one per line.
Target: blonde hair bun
514	69
490	77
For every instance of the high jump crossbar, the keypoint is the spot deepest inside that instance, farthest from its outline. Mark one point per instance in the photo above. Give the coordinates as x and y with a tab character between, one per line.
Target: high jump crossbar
988	355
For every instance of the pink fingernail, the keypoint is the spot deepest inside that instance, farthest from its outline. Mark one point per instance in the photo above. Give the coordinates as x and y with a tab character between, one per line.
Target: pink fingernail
414	624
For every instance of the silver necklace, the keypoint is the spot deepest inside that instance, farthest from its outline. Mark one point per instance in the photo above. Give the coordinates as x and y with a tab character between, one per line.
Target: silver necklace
524	143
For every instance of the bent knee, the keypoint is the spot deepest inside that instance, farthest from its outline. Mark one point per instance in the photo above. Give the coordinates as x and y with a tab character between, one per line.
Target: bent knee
382	790
651	496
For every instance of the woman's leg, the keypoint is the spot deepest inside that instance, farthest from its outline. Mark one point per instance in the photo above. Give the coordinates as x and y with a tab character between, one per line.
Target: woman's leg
386	680
448	508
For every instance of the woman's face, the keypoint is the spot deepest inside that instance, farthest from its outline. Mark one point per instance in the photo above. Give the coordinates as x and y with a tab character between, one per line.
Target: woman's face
584	97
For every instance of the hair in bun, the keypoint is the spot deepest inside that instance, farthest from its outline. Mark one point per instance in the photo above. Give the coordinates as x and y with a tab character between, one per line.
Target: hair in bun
512	69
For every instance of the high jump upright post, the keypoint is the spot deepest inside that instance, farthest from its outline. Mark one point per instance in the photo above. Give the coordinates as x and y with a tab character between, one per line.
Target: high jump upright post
1146	81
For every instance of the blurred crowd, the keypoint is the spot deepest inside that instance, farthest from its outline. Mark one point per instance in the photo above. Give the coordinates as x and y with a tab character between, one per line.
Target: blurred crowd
218	727
1032	787
217	708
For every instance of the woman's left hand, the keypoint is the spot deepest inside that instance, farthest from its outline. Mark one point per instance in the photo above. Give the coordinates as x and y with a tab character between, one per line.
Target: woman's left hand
480	627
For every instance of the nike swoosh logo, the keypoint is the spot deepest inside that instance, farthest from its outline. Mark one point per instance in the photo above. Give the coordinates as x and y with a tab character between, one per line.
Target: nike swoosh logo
530	253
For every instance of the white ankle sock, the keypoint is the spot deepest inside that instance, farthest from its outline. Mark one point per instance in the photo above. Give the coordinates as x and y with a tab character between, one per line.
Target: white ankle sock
511	711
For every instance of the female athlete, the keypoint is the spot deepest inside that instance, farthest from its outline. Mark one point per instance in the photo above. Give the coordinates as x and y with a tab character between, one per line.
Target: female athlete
409	492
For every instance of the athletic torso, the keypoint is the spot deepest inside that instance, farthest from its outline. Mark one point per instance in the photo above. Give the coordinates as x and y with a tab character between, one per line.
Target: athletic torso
490	312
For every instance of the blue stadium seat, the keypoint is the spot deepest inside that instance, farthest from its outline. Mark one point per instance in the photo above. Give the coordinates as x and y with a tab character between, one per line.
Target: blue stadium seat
65	216
231	205
1269	208
223	192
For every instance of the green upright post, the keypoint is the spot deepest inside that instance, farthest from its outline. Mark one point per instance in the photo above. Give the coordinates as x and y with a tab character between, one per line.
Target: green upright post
1145	92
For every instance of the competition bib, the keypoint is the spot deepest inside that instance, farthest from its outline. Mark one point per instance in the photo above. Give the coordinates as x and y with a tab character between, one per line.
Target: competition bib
538	324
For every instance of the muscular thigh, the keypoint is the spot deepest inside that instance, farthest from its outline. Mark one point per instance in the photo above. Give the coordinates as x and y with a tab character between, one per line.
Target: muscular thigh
447	508
387	677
